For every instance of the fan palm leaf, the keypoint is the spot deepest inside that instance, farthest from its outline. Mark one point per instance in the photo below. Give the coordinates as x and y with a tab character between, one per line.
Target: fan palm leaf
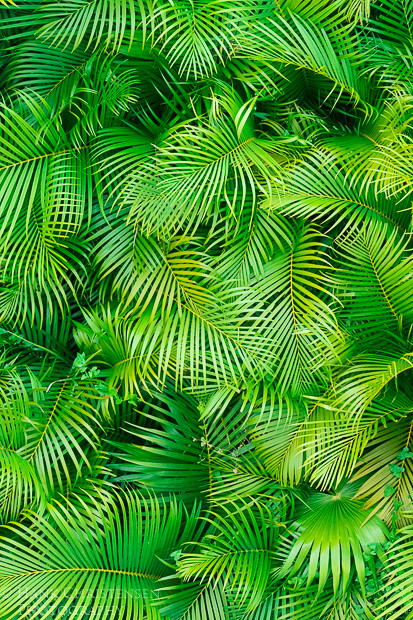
334	532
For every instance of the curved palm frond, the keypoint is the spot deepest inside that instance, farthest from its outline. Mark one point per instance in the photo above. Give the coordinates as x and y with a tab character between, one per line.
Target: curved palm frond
242	557
329	61
61	426
333	444
168	459
376	264
302	320
194	601
86	559
75	22
141	351
198	35
149	273
44	191
386	471
189	176
317	188
19	484
396	600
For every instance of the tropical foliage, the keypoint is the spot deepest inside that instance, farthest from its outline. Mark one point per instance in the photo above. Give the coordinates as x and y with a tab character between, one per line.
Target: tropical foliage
206	310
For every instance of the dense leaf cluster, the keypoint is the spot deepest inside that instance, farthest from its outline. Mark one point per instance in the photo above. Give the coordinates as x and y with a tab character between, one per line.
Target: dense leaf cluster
206	309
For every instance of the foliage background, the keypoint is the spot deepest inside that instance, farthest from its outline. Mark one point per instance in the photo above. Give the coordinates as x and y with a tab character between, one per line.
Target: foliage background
206	309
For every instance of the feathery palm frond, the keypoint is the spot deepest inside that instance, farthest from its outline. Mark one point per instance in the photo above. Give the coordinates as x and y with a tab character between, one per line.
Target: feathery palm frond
396	599
87	559
242	556
73	22
190	174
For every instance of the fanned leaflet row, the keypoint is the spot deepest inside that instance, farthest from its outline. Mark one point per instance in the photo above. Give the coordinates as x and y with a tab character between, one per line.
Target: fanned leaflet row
206	310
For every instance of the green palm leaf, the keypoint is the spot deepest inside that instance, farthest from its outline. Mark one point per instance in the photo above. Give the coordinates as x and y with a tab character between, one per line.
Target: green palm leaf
293	286
195	601
197	36
44	191
319	188
334	533
190	175
298	42
386	472
396	601
20	486
376	265
73	22
87	560
141	351
333	444
172	458
63	424
241	556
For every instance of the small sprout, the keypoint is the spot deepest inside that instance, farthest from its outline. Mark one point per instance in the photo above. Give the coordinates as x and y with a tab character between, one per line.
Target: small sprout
396	470
175	555
404	454
104	390
388	491
80	361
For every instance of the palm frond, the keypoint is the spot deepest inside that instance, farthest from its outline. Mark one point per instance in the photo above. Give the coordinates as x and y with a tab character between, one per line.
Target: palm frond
294	287
396	601
330	62
387	473
333	533
171	458
141	351
318	188
191	172
75	22
86	559
198	36
195	601
333	444
64	422
242	557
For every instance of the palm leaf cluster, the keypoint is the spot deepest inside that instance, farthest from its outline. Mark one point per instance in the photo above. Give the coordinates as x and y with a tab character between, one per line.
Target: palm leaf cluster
206	310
